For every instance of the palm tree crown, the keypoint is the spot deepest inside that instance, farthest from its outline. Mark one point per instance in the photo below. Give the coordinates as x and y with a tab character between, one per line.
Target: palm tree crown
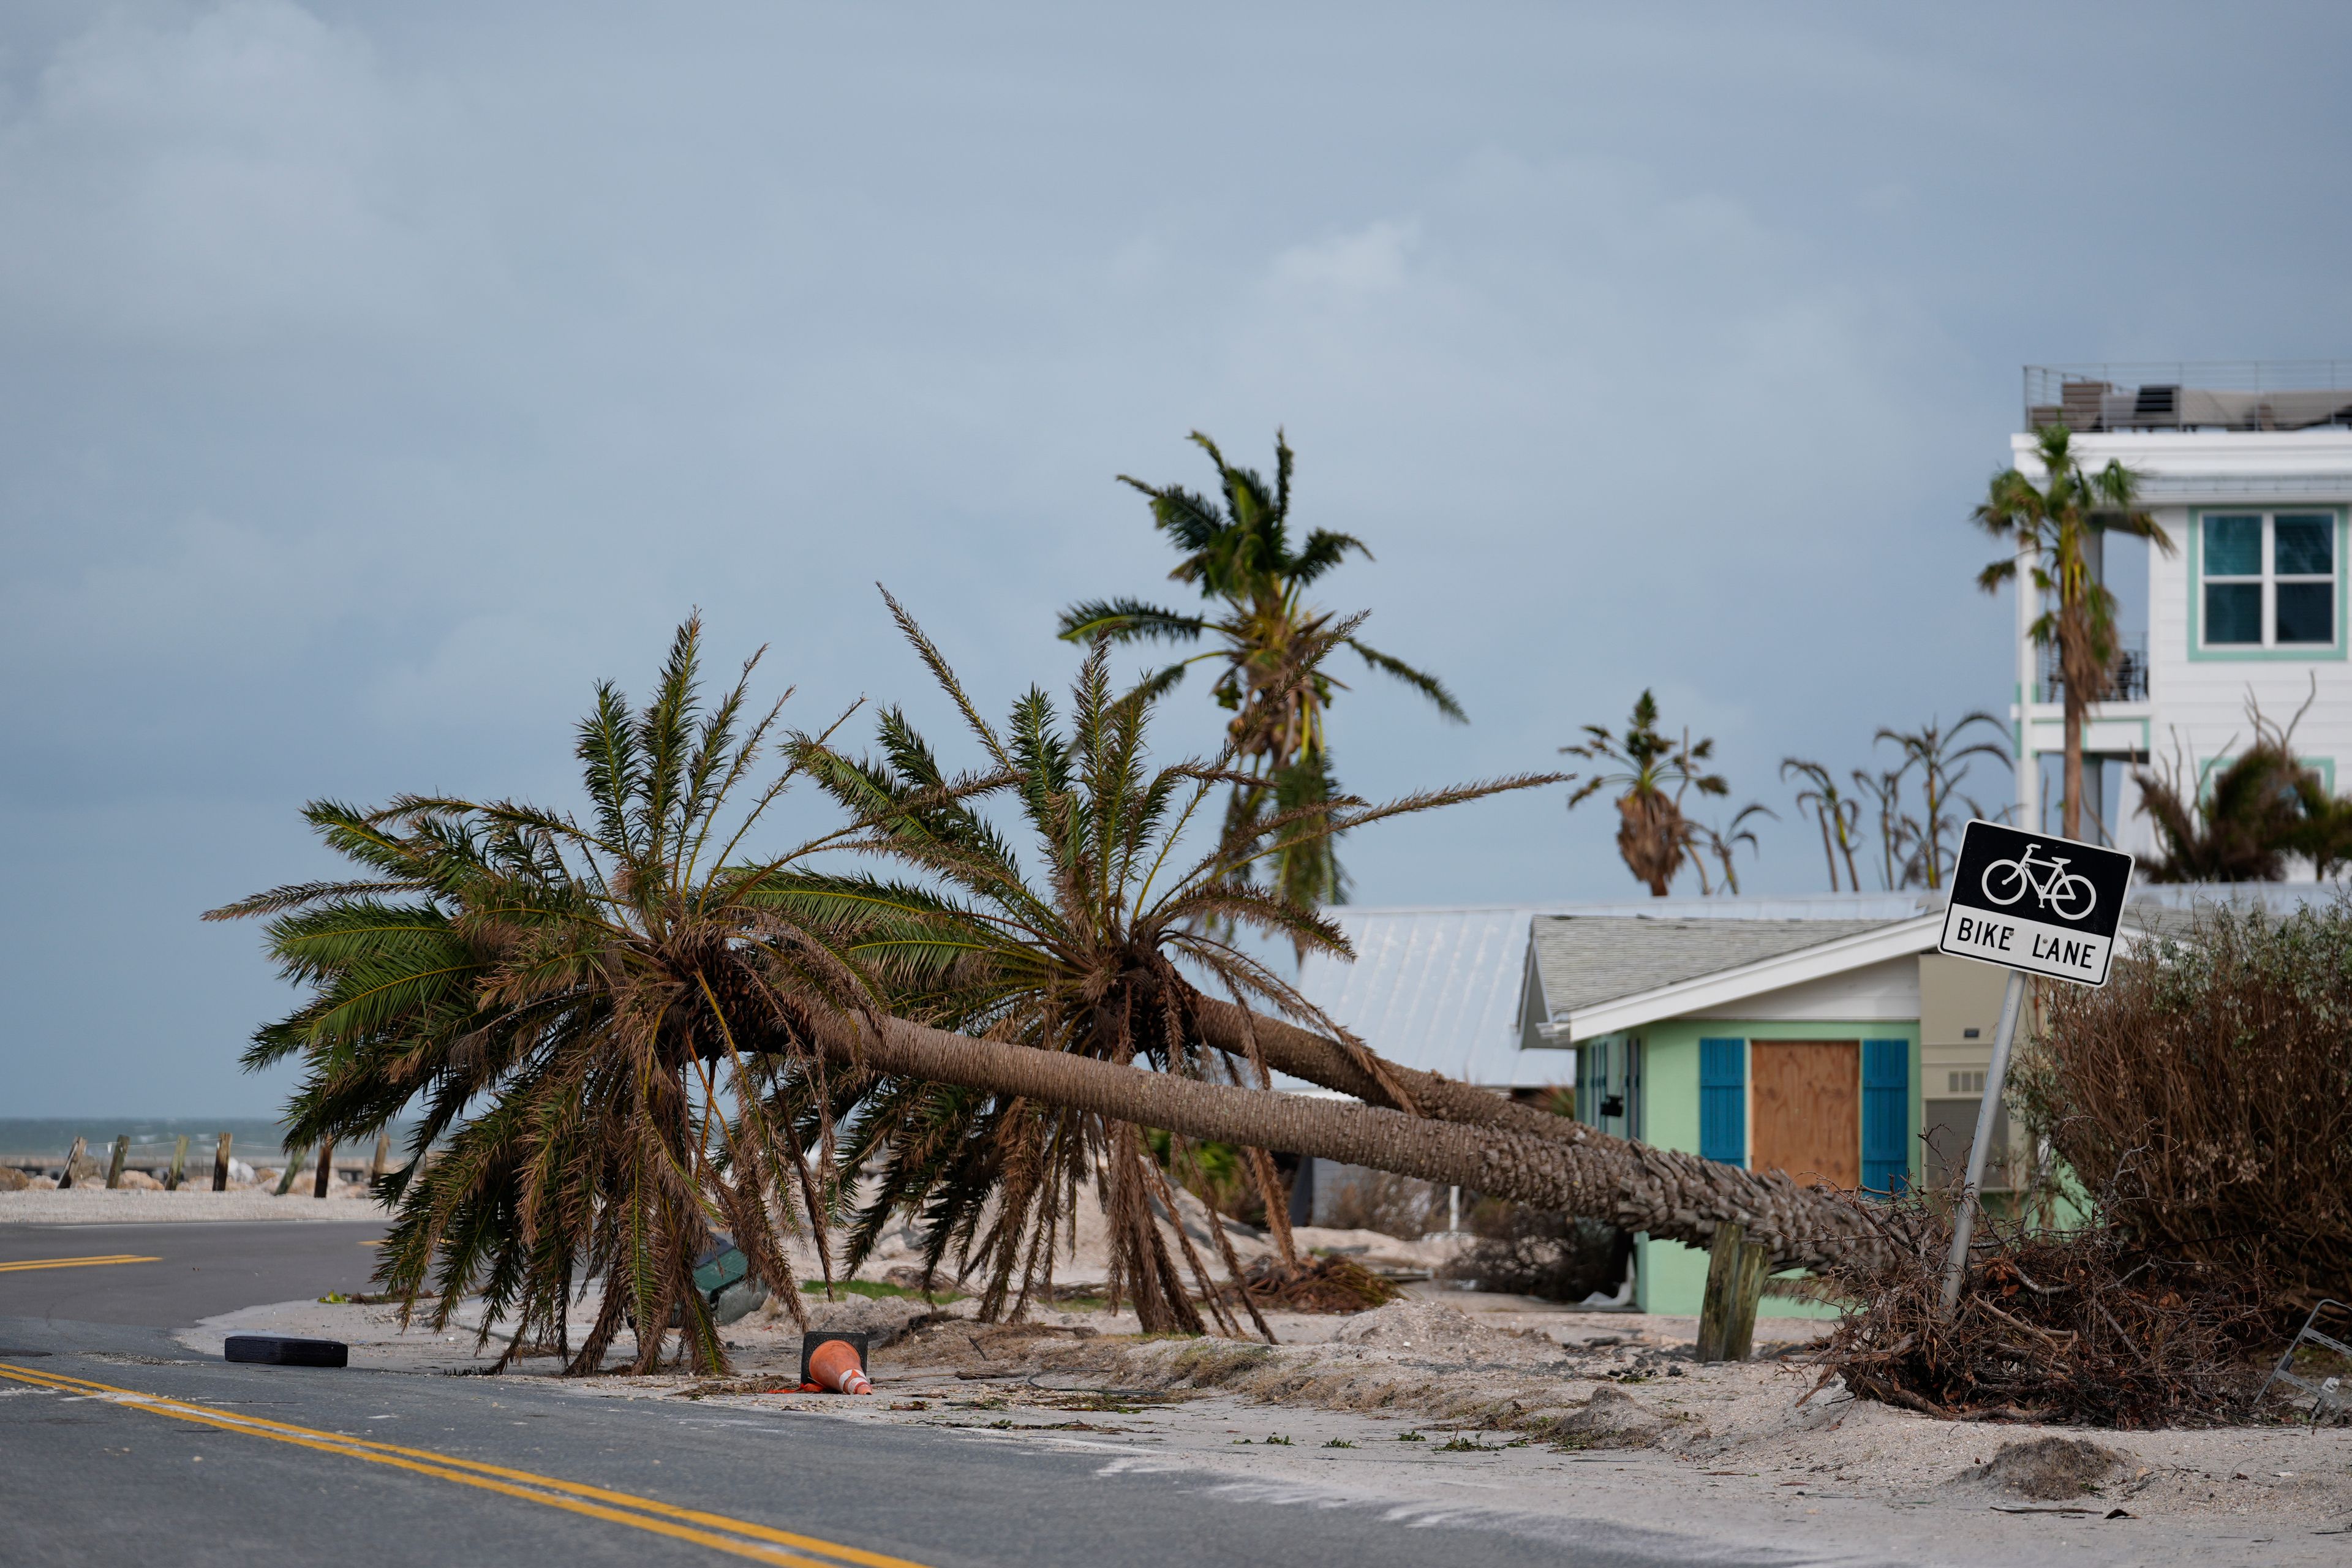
2052	524
1094	946
594	1014
1273	644
1657	772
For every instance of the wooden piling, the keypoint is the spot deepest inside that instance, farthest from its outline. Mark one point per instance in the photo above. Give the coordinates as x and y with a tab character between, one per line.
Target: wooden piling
114	1167
326	1170
73	1158
294	1158
179	1164
220	1162
1736	1268
382	1161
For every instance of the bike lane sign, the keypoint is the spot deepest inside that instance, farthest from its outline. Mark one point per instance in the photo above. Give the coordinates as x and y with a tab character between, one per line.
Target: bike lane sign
2048	906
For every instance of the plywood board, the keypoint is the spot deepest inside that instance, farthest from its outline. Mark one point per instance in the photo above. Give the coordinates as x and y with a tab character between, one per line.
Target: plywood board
1805	1109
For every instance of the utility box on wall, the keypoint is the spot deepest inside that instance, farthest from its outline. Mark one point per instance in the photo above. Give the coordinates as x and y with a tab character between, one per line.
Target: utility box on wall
1959	1009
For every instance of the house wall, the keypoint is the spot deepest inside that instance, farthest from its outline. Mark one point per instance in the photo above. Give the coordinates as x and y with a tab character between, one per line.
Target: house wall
2196	713
1878	991
2199	697
1670	1276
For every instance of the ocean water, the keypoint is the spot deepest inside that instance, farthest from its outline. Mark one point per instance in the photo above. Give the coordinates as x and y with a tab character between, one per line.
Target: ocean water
259	1140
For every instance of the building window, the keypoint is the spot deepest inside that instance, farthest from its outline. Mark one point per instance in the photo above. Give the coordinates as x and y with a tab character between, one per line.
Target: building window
2270	580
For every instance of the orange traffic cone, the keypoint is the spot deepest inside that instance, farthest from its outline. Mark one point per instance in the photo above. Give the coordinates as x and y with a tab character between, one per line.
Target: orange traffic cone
833	1369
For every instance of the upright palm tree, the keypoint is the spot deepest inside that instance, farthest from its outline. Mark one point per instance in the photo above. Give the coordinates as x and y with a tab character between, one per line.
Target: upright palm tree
1271	643
1096	948
1657	772
1721	841
2052	524
579	1006
1942	760
1898	832
1837	813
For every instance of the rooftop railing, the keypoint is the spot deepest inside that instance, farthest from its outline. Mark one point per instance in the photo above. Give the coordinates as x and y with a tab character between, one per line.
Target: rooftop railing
2181	394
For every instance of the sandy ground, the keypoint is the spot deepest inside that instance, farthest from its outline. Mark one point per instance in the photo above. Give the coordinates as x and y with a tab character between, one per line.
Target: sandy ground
1449	1402
99	1205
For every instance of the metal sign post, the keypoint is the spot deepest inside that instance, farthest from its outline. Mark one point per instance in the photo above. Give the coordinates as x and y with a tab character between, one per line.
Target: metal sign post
2036	905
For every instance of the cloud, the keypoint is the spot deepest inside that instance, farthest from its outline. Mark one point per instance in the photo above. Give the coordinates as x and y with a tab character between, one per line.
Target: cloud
1350	268
375	378
241	174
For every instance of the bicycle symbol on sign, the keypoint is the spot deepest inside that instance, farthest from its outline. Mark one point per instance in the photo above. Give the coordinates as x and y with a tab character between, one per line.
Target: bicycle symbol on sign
2069	895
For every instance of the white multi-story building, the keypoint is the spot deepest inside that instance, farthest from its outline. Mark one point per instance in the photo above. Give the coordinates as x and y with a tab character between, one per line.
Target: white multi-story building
2247	468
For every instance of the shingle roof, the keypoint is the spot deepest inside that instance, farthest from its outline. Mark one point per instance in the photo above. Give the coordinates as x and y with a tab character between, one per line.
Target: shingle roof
1586	960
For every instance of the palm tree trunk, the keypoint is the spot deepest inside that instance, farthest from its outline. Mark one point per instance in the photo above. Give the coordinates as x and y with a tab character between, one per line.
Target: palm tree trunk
2072	816
1671	1196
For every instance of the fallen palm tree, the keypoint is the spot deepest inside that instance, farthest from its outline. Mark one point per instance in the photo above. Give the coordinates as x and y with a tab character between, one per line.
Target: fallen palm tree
625	1034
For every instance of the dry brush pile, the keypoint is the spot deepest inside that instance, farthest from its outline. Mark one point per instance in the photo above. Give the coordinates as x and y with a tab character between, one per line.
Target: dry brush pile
2207	1093
2080	1327
2205	1096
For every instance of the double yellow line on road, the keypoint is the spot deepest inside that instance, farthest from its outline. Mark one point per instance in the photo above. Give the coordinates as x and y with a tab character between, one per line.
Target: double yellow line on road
738	1537
31	1263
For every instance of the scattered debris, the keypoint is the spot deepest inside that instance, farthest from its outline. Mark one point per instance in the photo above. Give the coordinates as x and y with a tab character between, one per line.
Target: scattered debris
2075	1327
1318	1284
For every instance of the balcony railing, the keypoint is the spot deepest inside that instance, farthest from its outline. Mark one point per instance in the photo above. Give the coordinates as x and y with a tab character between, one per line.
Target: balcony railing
2126	680
2248	395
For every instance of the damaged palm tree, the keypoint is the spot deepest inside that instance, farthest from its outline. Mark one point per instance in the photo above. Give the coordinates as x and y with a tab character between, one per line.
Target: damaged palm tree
1084	952
621	1036
1653	835
571	1003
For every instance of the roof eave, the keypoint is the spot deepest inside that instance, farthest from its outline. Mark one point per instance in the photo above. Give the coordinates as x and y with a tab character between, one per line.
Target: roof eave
1774	973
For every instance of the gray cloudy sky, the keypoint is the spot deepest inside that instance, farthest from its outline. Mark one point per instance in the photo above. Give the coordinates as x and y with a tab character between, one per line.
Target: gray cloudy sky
372	378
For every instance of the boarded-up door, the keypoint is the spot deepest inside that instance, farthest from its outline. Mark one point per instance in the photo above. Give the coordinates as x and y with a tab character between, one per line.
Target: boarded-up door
1808	1109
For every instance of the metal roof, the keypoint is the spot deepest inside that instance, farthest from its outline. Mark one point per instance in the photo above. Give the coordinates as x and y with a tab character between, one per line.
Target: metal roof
1439	990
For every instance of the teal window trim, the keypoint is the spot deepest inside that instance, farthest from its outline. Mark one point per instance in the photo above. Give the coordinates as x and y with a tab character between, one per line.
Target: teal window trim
2306	653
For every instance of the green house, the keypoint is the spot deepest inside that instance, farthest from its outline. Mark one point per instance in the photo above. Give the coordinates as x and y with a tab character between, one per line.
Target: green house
1841	1050
1820	1035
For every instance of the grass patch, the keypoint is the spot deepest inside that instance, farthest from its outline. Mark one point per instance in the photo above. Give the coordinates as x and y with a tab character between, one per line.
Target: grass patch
1338	1443
1411	1438
874	1290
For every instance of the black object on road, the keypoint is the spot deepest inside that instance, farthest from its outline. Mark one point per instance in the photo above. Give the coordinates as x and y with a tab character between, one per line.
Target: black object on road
282	1350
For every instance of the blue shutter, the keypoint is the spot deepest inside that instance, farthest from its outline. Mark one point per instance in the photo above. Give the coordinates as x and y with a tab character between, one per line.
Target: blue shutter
1885	1116
1723	1100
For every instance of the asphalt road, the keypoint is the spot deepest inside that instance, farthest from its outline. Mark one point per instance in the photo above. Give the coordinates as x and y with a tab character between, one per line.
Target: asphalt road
118	1445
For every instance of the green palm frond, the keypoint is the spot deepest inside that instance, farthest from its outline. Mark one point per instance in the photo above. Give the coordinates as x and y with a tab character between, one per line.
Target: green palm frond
1237	550
1094	940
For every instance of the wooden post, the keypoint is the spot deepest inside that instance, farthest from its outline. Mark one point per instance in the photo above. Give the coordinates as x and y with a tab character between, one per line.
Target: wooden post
1736	1268
383	1160
294	1158
220	1162
114	1167
179	1164
72	1159
326	1169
